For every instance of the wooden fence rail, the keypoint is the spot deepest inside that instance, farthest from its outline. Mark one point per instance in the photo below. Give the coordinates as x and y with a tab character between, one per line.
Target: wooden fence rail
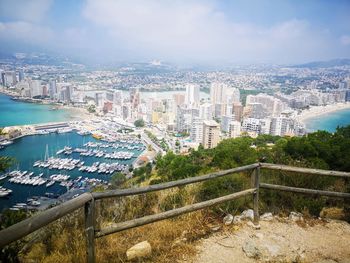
87	200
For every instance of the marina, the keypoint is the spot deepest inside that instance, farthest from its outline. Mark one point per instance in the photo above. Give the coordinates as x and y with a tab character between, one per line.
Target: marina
59	164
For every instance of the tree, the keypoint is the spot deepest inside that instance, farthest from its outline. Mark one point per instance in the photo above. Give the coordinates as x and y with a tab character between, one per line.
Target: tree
139	123
5	162
117	179
91	108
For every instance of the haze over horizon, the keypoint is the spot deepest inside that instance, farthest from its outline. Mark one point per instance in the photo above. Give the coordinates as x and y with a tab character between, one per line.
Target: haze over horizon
188	32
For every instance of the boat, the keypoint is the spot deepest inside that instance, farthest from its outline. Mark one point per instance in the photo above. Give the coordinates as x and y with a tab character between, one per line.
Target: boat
50	183
3	177
6	142
97	136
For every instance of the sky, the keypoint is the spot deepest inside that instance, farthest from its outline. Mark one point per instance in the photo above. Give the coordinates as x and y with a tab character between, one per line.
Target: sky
179	31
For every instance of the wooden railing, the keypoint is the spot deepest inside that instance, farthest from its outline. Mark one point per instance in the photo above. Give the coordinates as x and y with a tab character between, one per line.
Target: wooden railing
87	200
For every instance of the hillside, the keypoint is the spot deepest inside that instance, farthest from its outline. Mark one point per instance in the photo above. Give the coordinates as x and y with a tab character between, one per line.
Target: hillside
279	240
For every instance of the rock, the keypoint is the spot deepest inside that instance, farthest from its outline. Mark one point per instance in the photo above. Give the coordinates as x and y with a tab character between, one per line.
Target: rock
228	219
267	217
294	216
251	250
140	250
274	250
259	235
332	213
215	228
237	219
251	224
248	214
327	261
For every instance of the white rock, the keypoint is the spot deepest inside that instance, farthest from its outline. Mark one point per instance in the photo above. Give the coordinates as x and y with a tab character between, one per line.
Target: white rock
237	219
251	224
248	214
228	219
251	250
294	216
267	217
140	250
259	235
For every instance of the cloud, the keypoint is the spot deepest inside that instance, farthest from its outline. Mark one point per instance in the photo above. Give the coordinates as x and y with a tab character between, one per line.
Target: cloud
25	10
200	31
345	40
26	32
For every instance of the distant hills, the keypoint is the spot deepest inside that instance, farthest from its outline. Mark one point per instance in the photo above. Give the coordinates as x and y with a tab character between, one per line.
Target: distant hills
325	64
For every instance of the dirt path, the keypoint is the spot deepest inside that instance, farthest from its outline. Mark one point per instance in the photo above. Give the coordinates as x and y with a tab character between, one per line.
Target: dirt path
279	240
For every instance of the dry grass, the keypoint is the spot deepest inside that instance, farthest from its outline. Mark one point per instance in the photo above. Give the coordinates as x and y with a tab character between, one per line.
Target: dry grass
171	240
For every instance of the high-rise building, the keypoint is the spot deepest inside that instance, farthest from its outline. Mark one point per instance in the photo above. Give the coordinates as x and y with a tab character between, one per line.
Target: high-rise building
251	125
218	93
35	87
196	133
192	94
179	99
237	110
118	97
206	111
20	74
99	99
211	134
280	126
52	89
234	129
225	122
8	78
184	118
134	97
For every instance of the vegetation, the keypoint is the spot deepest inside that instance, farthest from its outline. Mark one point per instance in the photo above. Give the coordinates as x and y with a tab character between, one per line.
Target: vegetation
91	108
64	241
161	143
139	123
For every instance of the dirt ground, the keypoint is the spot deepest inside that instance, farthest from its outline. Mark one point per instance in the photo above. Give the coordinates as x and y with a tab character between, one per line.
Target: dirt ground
279	240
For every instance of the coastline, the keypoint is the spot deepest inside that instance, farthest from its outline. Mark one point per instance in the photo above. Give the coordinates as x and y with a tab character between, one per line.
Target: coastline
74	112
317	111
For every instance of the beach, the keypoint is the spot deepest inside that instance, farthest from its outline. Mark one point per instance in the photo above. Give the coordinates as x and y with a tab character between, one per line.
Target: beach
317	111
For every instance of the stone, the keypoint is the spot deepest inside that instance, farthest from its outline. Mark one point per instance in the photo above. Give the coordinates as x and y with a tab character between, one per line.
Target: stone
215	228
266	217
228	219
251	224
140	250
274	250
259	235
237	219
251	250
294	216
248	214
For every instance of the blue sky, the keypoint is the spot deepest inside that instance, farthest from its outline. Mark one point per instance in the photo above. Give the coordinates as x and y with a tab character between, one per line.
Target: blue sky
203	31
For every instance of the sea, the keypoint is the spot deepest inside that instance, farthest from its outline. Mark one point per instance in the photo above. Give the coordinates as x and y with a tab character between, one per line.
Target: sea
22	113
26	150
329	122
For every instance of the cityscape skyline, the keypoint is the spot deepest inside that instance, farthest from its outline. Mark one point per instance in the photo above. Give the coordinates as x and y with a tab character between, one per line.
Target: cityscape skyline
183	32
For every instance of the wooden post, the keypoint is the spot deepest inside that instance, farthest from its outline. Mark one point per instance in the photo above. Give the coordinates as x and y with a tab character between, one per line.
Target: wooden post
255	184
90	230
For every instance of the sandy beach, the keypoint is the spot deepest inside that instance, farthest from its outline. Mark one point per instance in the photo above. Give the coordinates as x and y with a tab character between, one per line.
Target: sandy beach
78	113
316	111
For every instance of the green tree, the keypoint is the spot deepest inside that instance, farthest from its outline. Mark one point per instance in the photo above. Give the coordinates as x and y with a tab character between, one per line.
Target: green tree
117	179
139	123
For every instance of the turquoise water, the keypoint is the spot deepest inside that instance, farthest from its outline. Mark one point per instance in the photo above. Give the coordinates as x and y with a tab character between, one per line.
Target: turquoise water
329	122
29	149
21	113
